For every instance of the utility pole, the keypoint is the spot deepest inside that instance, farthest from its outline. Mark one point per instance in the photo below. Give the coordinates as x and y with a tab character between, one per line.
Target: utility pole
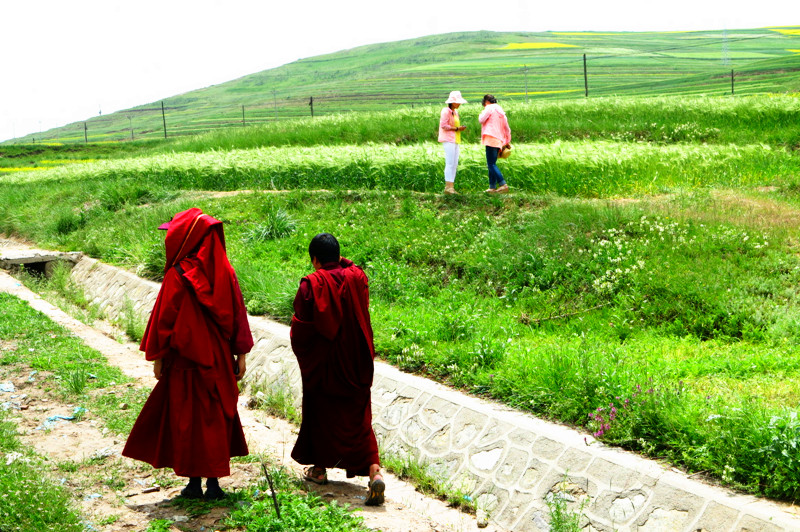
275	104
585	77
130	122
731	82
164	119
526	83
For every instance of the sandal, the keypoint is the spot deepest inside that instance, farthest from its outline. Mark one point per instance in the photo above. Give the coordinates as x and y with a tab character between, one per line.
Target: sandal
376	489
317	475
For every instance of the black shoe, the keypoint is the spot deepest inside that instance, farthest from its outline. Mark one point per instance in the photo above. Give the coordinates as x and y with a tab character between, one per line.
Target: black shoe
192	492
214	493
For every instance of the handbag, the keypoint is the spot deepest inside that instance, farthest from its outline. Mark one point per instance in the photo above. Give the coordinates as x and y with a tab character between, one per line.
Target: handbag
505	152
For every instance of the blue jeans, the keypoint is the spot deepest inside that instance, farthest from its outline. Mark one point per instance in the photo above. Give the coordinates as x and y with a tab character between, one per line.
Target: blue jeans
495	176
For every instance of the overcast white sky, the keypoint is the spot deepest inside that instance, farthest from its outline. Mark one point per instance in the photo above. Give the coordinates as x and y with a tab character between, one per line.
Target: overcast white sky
64	61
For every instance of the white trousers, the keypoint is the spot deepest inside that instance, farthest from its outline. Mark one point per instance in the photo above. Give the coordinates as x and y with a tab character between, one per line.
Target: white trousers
451	150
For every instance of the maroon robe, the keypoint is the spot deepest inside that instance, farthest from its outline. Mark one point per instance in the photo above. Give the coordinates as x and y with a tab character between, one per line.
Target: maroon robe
190	422
332	339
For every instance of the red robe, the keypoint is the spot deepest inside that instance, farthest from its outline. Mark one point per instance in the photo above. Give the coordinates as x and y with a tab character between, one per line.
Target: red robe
332	338
190	422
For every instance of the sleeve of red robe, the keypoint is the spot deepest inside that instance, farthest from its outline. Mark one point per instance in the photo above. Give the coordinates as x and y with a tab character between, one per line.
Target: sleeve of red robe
303	334
157	340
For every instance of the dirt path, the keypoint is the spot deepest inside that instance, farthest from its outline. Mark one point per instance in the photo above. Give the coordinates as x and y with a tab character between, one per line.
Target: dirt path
120	495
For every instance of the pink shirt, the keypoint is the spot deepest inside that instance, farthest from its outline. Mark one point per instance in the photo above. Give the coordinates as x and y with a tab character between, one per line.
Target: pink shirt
446	120
494	126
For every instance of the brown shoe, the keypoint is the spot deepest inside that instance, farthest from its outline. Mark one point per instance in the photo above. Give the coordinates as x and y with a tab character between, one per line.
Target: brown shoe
502	189
449	188
375	496
317	475
490	191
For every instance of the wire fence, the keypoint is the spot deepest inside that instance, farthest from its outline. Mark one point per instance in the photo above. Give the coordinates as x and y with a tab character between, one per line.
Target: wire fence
655	71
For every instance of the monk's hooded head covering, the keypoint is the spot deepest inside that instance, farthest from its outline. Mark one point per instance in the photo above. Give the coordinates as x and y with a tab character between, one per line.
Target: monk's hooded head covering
195	244
186	231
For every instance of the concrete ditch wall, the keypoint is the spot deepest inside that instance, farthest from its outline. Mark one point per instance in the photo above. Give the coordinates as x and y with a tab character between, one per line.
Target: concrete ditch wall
509	461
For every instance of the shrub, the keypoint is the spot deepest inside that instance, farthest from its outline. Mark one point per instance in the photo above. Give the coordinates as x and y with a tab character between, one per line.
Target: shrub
277	224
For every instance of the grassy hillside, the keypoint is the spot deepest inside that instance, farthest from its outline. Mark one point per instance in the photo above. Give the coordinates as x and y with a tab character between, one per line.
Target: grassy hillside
422	71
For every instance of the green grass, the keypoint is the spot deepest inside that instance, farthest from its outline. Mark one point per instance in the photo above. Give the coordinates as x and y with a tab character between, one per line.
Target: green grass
299	510
277	400
31	500
560	307
426	479
660	120
44	346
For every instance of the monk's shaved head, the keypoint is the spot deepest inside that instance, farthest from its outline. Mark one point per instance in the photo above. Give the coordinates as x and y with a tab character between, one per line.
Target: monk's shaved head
325	248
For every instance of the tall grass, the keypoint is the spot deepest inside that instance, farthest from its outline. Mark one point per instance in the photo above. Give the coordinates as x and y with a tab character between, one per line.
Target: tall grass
742	120
580	169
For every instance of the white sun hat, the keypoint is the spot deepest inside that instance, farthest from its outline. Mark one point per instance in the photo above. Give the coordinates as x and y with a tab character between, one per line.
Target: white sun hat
455	97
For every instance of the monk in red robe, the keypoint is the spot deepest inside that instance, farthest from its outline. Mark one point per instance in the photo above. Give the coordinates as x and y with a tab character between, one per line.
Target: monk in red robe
332	338
198	337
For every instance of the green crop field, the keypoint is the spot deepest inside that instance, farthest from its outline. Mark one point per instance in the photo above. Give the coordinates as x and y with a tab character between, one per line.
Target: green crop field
639	283
522	67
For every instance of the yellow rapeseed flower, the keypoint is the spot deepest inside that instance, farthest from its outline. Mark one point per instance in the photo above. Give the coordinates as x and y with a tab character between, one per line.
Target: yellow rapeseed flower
593	33
788	32
56	162
20	169
535	45
540	92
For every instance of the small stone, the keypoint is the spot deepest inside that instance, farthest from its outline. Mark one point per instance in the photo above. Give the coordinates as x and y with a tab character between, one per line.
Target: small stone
151	489
482	518
123	406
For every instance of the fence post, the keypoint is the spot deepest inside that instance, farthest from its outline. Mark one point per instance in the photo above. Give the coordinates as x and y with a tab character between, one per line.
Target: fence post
585	78
85	133
731	82
164	119
275	104
311	104
130	122
526	83
243	124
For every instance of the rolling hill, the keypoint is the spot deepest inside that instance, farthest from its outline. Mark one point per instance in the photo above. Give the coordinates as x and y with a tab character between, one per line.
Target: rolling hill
513	66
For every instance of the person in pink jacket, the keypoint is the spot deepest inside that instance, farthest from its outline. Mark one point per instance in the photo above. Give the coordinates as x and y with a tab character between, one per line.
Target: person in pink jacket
450	129
495	134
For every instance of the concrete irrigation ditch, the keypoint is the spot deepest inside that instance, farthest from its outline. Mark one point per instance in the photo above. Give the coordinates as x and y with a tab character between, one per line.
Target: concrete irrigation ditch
510	462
